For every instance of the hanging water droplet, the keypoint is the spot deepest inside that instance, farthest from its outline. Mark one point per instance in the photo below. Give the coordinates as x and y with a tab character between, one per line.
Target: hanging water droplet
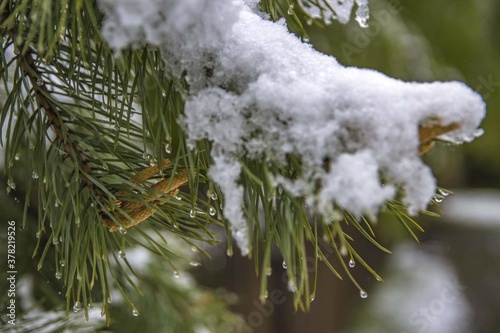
79	277
164	94
178	197
55	240
62	262
109	300
309	21
45	179
213	196
152	161
37	235
58	275
194	263
352	263
194	249
17	157
122	254
363	294
122	230
305	39
77	306
438	199
290	9
212	211
311	298
284	265
39	81
229	252
135	313
343	250
378	278
92	204
269	271
167	148
34	175
56	205
192	214
176	274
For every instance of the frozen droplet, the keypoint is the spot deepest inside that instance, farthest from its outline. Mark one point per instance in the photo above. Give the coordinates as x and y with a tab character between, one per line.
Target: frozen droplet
194	263
309	21
363	294
122	230
212	211
284	265
17	157
62	262
58	275
192	214
77	306
122	254
176	274
352	263
39	81
135	313
167	148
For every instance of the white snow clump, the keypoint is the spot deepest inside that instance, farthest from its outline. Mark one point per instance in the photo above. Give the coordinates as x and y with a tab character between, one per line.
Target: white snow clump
258	91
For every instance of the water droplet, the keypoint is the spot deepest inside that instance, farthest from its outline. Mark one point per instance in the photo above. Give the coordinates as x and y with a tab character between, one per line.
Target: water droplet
45	180
438	199
77	220
79	277
122	230
309	21
212	211
213	196
39	81
292	286
311	298
284	265
443	193
122	254
105	167
194	263
352	263
37	235
135	313
92	204
77	306
194	249
176	274
109	300
11	184
152	161
62	262
192	214
58	275
31	146
363	294
178	197
229	252
17	157
290	9
343	250
34	175
164	94
55	240
17	51
56	205
378	278
67	184
269	271
305	39
167	148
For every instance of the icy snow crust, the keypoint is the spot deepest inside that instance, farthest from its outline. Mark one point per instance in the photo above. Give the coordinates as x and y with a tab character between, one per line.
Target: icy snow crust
257	90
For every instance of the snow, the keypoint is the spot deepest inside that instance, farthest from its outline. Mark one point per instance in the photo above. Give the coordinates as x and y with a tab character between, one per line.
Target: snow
258	91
